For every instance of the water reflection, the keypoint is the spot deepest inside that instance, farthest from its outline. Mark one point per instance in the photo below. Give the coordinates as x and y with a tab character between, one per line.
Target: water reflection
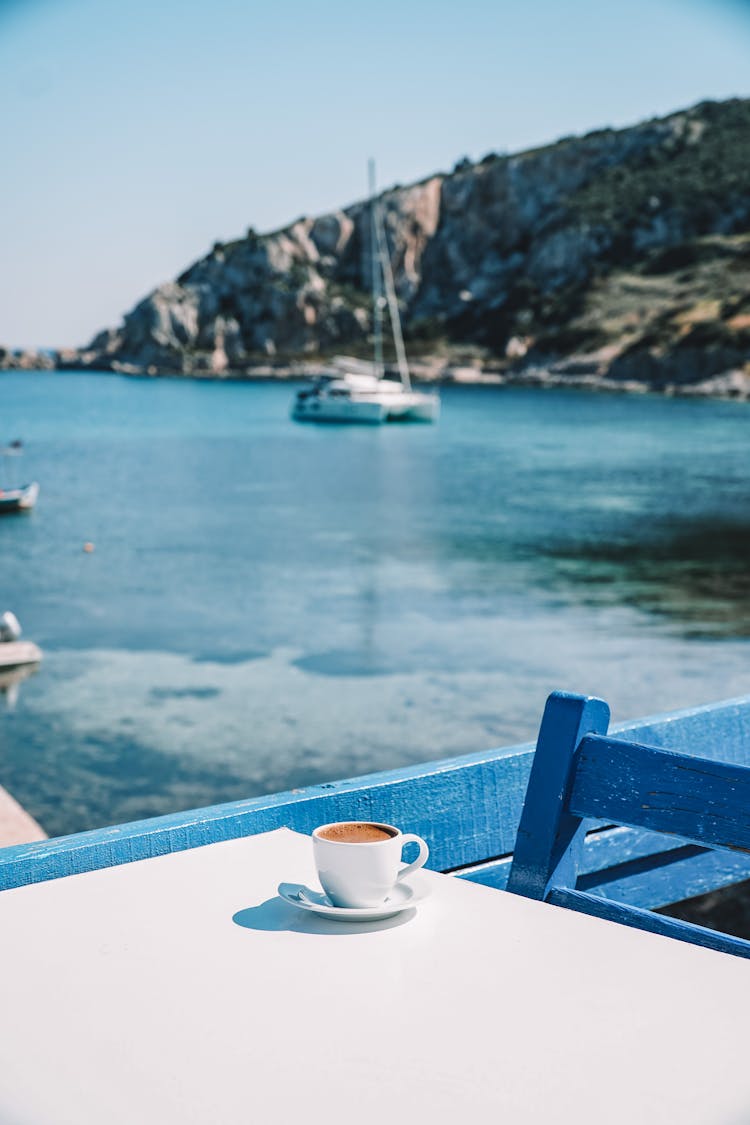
292	605
10	681
692	571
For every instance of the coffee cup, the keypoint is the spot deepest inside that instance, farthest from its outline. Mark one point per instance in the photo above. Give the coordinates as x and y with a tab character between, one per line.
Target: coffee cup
359	862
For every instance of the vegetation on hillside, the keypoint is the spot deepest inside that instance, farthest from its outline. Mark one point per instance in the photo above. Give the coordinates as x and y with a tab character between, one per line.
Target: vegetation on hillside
697	182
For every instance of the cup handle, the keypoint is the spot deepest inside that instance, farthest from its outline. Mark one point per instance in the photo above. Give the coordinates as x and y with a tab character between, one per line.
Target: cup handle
424	851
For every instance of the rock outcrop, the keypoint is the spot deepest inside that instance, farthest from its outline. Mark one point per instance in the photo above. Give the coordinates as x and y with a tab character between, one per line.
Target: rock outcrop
14	360
629	247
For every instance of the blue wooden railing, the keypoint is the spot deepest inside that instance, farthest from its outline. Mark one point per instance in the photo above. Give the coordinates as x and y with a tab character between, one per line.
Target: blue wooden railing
467	808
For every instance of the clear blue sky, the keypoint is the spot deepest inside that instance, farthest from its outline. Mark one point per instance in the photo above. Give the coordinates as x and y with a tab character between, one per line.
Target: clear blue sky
134	135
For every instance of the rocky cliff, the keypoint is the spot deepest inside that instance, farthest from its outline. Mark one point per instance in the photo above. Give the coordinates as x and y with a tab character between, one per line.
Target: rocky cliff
627	250
22	360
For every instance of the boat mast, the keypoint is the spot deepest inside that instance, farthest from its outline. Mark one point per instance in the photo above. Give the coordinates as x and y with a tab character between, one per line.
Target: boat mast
377	296
390	289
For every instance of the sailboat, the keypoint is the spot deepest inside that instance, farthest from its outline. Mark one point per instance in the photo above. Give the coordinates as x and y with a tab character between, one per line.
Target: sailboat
361	392
13	497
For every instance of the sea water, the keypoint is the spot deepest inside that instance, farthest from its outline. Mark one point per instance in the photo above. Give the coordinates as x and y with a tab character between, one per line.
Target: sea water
270	604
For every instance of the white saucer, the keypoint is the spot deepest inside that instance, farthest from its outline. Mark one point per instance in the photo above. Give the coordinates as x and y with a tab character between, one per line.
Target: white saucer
403	897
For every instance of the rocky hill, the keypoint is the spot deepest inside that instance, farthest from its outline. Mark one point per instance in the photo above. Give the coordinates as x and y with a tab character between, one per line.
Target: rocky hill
618	258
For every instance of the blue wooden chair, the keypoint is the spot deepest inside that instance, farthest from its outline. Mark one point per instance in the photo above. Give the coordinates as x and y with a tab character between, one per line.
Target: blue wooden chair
578	773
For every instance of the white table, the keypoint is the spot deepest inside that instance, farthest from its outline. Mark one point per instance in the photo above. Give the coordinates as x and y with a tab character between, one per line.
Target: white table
180	989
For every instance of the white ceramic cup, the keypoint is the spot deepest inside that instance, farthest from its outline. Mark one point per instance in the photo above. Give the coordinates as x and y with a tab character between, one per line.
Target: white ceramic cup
363	874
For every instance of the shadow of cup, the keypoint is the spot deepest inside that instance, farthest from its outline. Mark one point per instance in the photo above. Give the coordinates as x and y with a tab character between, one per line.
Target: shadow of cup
276	915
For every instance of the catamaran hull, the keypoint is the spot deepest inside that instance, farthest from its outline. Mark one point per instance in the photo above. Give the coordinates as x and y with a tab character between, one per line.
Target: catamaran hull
415	408
368	413
401	408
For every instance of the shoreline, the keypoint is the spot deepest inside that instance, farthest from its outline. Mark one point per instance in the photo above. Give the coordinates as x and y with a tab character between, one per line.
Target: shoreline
580	373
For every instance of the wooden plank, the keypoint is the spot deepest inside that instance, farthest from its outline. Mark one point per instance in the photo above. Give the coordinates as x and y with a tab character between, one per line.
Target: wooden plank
16	825
693	798
550	839
606	846
645	920
720	731
669	876
465	808
660	874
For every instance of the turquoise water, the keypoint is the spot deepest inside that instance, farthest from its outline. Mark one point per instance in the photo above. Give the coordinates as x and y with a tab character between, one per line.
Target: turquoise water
270	604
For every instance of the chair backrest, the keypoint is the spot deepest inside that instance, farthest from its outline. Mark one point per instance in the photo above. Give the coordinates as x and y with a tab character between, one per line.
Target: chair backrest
578	774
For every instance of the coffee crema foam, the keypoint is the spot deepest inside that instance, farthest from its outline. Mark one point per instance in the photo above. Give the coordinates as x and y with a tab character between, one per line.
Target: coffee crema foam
356	833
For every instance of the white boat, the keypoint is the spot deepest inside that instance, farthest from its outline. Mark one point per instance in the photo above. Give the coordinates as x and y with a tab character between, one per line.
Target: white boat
351	397
362	392
14	653
13	497
18	499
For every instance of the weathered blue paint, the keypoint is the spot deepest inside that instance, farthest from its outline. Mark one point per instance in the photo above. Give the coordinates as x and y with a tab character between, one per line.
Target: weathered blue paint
667	874
468	809
646	920
641	787
460	806
549	840
577	775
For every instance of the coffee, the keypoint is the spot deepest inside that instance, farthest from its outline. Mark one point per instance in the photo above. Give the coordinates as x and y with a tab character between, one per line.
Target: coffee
356	833
362	877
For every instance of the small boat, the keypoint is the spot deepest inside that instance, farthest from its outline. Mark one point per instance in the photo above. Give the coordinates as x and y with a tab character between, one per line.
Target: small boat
15	653
18	499
363	392
13	497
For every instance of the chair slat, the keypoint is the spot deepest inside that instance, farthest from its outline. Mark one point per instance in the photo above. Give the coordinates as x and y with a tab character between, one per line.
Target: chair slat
697	803
667	877
645	920
550	838
694	798
659	876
